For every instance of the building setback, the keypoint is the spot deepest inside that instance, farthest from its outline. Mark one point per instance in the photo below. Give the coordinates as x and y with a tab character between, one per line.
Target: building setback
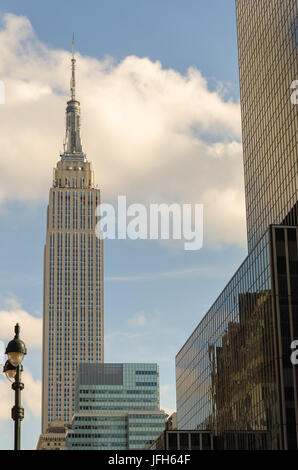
117	407
53	438
234	373
73	274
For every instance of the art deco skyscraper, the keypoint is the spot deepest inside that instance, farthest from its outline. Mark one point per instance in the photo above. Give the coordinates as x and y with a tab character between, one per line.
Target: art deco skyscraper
73	273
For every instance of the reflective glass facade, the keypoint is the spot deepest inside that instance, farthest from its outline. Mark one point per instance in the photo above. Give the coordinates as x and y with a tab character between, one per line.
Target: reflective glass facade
268	65
234	373
199	387
117	407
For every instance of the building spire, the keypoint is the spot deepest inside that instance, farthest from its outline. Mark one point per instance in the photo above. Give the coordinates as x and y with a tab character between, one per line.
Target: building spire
72	143
73	70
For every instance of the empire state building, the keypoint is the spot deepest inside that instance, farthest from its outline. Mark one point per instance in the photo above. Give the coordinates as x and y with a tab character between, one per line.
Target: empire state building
73	273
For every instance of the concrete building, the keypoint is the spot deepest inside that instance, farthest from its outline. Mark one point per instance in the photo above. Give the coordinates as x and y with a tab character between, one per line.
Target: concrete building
171	423
53	438
73	274
117	407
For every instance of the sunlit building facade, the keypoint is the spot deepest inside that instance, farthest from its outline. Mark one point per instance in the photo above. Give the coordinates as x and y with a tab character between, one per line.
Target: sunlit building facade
53	438
234	373
73	274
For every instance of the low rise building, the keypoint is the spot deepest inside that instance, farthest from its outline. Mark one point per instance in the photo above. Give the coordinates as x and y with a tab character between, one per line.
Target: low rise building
207	440
54	437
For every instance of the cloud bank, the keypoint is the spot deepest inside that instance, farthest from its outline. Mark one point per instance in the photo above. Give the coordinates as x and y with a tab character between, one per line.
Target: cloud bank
31	396
152	133
11	313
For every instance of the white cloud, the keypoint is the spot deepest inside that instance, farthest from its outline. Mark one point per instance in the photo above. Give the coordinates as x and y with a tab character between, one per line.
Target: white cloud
166	388
139	319
6	398
168	411
11	313
152	133
31	326
31	396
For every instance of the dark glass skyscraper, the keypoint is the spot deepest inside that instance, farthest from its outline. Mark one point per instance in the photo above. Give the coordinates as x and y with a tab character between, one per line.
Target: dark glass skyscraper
267	49
234	372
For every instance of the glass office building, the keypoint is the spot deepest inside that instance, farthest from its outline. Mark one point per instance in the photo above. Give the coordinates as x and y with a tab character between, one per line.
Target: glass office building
234	373
117	407
268	65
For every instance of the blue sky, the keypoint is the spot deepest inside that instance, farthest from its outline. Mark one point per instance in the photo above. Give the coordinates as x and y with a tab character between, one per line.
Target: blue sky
155	292
198	32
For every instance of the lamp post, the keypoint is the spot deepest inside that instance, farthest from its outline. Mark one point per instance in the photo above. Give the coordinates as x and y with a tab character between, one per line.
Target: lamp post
15	351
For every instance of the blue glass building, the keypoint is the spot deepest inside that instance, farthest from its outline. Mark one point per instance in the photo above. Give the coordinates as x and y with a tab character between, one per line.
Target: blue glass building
117	407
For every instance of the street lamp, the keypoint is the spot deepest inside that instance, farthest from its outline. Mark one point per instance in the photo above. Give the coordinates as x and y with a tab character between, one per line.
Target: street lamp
15	351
